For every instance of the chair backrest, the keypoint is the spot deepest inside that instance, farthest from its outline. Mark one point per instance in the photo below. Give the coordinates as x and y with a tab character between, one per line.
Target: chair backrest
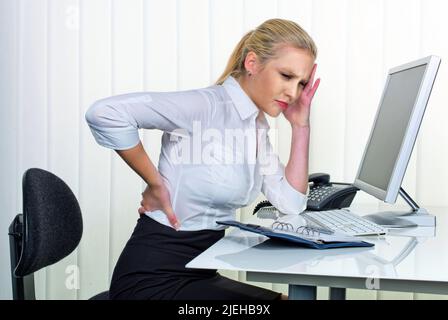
52	221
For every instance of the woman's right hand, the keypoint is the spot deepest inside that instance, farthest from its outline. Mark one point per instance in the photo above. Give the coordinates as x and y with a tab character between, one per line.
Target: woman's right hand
157	197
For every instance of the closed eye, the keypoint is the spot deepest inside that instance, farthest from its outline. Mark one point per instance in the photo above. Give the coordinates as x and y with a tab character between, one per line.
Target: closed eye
284	75
289	77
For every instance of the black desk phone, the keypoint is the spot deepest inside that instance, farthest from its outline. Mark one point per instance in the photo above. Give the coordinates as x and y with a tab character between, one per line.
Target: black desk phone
324	195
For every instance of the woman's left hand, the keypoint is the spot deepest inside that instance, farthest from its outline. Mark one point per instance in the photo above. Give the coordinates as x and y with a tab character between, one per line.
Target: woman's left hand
298	113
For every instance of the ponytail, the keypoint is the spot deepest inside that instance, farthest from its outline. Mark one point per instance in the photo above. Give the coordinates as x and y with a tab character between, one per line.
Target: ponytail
235	65
264	41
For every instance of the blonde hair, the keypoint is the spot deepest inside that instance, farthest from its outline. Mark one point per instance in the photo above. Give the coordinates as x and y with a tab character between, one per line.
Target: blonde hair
264	41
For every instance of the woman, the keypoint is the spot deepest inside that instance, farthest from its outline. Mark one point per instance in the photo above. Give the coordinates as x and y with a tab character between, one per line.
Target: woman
270	71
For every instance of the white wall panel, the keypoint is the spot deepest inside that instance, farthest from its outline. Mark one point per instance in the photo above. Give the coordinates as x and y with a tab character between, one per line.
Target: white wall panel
95	161
193	29
433	153
224	36
159	60
329	108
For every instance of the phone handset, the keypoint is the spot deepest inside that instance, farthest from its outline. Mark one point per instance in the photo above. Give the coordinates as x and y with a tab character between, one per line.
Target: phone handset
324	194
319	178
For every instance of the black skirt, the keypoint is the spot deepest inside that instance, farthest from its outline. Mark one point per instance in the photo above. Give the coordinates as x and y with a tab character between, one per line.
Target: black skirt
152	267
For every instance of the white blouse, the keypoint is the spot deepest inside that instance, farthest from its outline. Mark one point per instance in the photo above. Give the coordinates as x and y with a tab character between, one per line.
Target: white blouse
211	161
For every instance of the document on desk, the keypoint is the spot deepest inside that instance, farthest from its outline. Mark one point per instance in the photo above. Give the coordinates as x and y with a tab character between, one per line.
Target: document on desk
301	235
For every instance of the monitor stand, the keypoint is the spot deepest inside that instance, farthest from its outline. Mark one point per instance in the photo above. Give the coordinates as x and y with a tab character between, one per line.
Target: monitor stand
417	217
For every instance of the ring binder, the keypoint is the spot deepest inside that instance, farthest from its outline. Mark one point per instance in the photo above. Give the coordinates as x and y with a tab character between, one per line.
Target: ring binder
304	230
284	226
308	231
302	235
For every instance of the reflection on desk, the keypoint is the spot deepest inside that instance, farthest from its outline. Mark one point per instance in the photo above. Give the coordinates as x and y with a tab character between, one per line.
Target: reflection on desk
280	255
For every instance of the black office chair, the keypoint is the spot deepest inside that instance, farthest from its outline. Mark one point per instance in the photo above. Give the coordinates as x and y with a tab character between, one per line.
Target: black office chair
49	229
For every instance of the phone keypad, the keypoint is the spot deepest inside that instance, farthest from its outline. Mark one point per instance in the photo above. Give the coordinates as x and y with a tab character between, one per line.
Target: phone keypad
318	193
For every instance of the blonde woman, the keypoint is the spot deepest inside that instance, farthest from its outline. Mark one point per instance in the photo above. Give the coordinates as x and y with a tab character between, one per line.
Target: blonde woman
271	71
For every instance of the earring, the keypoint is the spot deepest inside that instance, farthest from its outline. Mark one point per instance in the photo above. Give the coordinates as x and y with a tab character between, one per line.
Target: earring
249	73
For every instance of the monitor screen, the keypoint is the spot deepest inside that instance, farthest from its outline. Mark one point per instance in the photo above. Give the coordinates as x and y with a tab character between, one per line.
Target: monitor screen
390	127
395	128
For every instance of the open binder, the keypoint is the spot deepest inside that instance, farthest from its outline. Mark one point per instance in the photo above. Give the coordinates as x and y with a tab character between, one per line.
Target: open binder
302	235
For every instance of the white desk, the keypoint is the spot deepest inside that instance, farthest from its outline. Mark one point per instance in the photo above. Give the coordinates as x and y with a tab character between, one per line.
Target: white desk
411	260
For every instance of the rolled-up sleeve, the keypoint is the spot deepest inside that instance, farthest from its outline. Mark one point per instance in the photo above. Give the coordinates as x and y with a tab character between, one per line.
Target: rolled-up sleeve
276	187
114	121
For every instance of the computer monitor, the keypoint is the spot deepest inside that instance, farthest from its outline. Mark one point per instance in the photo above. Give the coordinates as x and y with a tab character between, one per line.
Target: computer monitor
392	138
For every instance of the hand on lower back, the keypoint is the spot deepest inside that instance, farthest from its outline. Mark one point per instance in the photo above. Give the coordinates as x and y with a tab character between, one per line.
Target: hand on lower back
157	197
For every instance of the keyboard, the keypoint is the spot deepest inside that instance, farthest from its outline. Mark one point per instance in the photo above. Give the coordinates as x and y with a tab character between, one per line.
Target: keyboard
342	220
